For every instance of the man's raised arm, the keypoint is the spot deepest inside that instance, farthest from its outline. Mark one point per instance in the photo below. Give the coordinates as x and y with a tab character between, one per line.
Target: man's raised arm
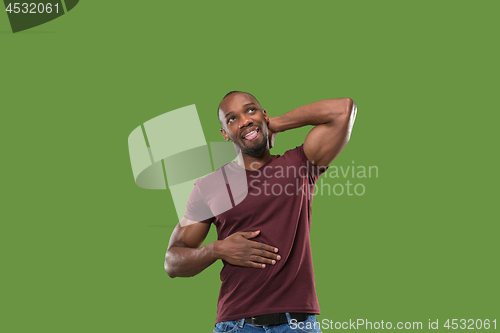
186	258
332	119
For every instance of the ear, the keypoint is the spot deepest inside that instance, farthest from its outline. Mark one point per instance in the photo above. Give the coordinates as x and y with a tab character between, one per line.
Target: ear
265	116
224	134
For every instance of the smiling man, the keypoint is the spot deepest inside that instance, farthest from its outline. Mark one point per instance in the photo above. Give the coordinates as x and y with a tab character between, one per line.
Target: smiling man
262	213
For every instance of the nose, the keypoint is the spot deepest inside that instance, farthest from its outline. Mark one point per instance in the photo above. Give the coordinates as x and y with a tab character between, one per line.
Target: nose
245	121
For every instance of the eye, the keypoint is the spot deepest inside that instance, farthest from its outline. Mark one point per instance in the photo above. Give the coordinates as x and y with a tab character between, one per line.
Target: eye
252	110
230	120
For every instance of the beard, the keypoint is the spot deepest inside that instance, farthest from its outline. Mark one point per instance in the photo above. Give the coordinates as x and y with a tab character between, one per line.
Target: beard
258	149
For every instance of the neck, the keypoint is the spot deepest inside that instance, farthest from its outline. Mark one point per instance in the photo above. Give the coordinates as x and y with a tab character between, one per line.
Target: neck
252	162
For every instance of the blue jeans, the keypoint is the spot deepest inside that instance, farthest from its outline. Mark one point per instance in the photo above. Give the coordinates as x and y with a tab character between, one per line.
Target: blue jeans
310	325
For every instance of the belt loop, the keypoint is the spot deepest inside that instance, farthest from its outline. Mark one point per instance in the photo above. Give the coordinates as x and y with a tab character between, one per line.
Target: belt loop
241	323
288	318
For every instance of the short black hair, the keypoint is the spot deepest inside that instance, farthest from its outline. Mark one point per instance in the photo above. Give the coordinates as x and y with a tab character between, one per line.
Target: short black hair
233	92
230	93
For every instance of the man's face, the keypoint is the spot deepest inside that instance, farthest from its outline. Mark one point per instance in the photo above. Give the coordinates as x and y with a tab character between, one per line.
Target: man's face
245	123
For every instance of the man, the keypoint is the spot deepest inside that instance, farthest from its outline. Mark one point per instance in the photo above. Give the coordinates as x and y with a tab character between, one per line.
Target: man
263	234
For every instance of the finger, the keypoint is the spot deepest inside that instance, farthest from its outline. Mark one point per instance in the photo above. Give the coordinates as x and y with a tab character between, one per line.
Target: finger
265	247
273	138
249	234
266	254
255	265
263	260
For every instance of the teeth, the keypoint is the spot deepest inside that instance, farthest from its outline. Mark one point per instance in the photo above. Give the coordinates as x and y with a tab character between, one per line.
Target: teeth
249	133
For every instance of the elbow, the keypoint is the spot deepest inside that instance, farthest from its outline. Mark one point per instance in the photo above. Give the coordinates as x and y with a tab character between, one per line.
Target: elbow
169	269
341	109
349	114
350	117
346	116
170	272
350	107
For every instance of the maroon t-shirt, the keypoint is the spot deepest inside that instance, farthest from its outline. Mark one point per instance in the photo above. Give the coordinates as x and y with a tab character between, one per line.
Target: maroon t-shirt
275	199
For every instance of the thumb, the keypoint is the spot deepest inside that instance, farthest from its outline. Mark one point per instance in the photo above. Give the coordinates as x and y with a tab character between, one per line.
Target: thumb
250	234
271	140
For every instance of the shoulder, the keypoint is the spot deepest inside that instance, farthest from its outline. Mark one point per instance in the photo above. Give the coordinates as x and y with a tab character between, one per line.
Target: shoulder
214	179
207	179
296	154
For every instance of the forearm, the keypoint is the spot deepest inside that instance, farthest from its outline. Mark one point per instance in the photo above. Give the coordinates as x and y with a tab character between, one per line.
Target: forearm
322	112
187	261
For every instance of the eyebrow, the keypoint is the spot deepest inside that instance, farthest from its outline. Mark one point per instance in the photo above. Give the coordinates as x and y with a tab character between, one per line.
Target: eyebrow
227	114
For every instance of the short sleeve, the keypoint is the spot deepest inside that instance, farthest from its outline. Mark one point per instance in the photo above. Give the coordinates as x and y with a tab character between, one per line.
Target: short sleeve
196	209
313	171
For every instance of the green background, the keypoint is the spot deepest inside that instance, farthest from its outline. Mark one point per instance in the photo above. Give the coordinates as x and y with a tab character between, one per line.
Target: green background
83	246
